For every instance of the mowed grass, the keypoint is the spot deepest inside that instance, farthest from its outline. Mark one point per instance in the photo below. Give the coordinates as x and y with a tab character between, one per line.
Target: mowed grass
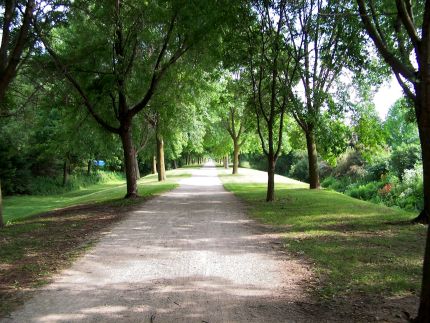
34	246
355	247
18	208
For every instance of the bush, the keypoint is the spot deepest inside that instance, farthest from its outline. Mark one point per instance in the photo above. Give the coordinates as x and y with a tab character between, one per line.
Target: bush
366	191
350	164
325	169
378	168
336	184
328	182
405	157
408	194
300	170
54	185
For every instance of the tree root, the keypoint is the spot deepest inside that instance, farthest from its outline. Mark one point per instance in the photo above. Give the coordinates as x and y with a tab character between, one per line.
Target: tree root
422	218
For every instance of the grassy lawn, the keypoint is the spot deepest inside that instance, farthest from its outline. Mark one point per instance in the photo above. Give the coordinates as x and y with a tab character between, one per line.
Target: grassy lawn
356	247
21	207
33	247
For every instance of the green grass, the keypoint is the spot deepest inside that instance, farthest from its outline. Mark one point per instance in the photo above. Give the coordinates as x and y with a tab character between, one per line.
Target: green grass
34	247
18	208
355	246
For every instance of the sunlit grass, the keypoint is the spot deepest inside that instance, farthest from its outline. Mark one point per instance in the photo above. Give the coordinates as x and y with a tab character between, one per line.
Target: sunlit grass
355	246
22	207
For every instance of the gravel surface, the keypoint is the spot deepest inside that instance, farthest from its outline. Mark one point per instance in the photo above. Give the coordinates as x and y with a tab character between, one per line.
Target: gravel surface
190	255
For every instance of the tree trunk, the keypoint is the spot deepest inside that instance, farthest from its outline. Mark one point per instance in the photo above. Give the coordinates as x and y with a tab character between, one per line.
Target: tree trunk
314	177
423	118
136	165
226	162
235	158
175	164
1	210
161	168
89	167
65	172
154	165
129	162
271	163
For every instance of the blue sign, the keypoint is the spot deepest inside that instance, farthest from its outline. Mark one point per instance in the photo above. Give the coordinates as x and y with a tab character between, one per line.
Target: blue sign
100	163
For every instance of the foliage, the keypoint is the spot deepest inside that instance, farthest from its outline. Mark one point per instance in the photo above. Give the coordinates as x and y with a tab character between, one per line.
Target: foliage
404	157
400	126
300	167
351	164
54	185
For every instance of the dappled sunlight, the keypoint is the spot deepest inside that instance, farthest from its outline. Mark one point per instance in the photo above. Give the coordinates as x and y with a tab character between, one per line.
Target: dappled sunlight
188	255
21	207
185	299
356	246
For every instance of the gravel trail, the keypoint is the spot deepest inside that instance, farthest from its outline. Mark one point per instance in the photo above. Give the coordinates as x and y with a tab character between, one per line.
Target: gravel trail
189	255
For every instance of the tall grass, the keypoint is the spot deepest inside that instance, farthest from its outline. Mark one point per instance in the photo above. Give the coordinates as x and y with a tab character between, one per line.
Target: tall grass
54	185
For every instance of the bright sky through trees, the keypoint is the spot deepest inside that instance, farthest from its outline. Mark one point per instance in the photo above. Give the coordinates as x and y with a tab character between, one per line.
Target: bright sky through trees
386	96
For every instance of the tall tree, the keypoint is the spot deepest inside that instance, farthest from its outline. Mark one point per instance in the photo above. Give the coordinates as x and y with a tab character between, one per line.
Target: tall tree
322	46
15	25
265	64
232	111
128	59
400	31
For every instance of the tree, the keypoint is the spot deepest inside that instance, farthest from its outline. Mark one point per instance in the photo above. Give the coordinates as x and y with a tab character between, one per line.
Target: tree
232	112
402	38
323	44
400	126
269	97
16	24
127	60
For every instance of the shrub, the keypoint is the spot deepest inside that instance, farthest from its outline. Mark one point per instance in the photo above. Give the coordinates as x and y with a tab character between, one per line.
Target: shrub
366	191
325	169
378	168
328	181
405	157
351	164
336	184
54	185
408	194
300	170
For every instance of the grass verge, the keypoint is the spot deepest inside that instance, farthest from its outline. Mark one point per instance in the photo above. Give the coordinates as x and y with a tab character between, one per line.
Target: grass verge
32	248
18	208
356	247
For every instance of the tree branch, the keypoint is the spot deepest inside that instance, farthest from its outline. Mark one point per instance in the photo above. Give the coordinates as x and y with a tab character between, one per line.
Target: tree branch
76	85
393	61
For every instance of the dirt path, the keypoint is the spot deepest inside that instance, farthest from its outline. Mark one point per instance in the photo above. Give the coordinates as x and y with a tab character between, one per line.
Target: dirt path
190	255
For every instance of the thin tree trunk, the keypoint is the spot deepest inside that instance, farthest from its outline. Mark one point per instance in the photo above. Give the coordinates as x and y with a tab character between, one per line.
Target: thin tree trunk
154	164
314	178
161	168
271	163
136	165
175	164
1	210
235	158
89	167
65	172
129	162
225	161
